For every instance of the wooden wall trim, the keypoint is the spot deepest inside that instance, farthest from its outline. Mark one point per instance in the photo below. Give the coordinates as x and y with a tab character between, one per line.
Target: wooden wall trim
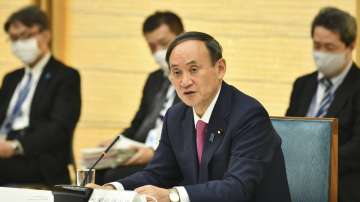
357	59
56	11
59	20
334	162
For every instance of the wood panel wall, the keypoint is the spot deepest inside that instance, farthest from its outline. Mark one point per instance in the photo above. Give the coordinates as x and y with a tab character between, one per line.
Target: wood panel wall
358	26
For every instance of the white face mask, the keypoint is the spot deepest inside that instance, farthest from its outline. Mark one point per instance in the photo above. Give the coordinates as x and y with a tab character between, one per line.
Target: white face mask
329	63
26	50
160	59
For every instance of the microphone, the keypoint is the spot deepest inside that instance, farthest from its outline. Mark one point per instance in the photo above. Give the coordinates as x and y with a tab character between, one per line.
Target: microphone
87	174
80	193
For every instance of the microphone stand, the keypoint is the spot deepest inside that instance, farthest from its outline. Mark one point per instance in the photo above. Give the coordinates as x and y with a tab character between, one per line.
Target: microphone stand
87	174
71	193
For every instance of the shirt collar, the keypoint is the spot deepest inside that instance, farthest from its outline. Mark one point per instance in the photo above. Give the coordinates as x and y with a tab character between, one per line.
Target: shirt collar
337	80
206	116
38	67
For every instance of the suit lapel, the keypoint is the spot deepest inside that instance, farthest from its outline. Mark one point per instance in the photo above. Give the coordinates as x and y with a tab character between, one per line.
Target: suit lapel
342	93
13	83
309	93
188	131
215	130
46	76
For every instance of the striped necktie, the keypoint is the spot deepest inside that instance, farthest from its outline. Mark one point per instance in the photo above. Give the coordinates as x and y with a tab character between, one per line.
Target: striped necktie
16	111
327	98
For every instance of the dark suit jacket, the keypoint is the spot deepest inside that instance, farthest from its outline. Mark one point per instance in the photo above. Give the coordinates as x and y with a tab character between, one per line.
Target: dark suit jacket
345	107
54	112
242	163
152	86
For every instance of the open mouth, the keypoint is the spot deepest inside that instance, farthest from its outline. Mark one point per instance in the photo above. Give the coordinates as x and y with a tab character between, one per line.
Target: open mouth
189	92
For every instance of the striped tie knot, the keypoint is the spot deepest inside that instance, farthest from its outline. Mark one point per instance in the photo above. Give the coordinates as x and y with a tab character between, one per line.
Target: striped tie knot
326	83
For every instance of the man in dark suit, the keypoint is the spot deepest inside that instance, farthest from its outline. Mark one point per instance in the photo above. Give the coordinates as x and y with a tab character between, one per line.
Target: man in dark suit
219	144
334	91
159	29
39	106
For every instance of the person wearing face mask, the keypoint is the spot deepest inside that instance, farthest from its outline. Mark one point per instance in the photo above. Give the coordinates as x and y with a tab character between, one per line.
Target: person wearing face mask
39	106
333	91
159	30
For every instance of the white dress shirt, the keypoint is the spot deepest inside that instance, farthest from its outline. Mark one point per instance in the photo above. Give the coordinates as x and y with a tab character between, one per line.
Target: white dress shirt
320	90
184	197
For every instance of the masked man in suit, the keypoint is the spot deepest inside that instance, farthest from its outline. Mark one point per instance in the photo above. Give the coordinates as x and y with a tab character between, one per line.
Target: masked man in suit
218	144
159	30
39	106
333	90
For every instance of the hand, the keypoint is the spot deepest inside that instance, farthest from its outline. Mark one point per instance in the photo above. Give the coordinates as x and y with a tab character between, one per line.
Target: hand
105	186
160	194
142	156
6	150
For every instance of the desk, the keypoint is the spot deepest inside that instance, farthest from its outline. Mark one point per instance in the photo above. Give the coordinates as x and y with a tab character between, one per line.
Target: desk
30	195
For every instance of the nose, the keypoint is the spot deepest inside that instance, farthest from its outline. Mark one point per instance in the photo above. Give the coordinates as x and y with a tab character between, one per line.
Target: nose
186	80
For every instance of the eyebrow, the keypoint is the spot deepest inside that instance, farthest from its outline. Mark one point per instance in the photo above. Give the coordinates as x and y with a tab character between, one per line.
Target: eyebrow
173	65
188	63
191	62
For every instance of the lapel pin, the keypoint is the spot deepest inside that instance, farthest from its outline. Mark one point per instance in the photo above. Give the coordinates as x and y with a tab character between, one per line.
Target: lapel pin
47	76
220	132
212	136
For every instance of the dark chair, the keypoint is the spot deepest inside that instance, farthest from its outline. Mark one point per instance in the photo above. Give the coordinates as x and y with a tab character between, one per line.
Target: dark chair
310	147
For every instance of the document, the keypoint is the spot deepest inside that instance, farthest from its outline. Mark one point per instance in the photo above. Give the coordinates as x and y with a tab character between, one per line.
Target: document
25	195
116	156
100	195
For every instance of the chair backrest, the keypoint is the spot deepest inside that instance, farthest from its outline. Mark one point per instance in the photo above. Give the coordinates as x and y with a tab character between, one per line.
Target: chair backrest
311	157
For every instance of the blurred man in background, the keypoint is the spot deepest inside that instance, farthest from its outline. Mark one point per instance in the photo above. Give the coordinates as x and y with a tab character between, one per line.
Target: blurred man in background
333	90
159	30
39	106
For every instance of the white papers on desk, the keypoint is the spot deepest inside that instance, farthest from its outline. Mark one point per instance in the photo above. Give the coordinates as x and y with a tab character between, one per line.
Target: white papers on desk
116	156
100	195
25	195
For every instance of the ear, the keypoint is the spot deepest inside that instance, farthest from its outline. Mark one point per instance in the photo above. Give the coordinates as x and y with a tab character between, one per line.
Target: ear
352	45
47	36
221	68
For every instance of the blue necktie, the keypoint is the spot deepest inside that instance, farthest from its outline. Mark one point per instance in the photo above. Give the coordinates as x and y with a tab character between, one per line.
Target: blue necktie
327	99
16	111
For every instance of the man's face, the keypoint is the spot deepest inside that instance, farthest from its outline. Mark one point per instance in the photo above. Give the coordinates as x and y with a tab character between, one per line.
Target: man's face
18	31
327	41
195	78
331	55
160	38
